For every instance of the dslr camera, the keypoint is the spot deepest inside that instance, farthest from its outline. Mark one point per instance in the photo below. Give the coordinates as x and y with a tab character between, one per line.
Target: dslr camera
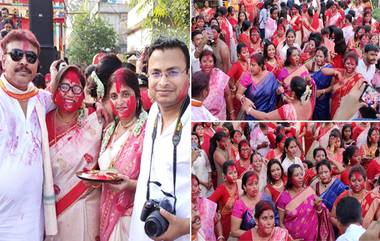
155	223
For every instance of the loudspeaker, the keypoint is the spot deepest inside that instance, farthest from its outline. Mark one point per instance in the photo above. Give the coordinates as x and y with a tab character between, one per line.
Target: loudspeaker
41	21
47	56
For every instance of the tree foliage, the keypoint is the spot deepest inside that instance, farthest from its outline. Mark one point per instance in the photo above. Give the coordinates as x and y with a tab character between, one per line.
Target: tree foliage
90	34
169	18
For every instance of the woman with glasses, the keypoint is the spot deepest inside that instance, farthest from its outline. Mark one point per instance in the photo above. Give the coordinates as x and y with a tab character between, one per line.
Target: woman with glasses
121	152
74	138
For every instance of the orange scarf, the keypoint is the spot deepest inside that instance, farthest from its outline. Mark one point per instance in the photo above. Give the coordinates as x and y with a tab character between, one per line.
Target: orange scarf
16	93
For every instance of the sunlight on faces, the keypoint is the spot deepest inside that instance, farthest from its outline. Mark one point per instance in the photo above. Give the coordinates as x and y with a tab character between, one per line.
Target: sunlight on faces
223	143
255	68
252	186
319	156
200	130
168	92
245	151
320	59
231	176
207	63
257	162
195	190
275	171
290	38
123	100
297	178
324	174
19	73
295	58
69	101
357	182
350	65
271	51
292	149
265	223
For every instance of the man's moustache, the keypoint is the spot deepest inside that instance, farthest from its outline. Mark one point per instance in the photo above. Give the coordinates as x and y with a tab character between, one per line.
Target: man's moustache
23	68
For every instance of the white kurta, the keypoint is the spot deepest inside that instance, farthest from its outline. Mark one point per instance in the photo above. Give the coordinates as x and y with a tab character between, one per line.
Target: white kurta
162	171
21	170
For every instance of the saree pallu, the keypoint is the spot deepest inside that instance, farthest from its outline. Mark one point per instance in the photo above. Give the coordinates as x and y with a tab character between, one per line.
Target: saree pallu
296	24
207	212
77	205
334	189
215	101
370	206
116	205
285	76
263	95
322	104
343	91
301	218
275	69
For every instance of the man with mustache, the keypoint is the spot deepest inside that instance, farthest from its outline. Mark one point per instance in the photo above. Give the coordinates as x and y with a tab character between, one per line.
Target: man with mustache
25	172
366	65
165	162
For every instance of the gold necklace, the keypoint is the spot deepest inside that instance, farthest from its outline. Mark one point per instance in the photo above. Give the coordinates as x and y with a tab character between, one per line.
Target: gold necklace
58	116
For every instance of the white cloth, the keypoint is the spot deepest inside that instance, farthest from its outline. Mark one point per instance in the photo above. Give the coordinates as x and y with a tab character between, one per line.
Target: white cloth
348	33
353	233
162	171
283	50
201	168
257	138
263	17
286	163
367	72
21	170
202	114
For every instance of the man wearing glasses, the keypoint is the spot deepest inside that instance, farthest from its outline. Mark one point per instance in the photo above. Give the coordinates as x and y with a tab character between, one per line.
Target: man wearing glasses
23	154
165	162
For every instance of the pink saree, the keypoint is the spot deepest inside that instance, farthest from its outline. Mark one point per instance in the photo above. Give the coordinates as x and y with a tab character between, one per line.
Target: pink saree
77	205
301	218
113	204
215	101
207	212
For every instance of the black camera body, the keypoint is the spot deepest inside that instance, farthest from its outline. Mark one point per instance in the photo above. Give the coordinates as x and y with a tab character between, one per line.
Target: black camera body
155	223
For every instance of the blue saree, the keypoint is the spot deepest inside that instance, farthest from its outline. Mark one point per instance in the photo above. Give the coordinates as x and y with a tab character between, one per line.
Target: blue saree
322	104
331	193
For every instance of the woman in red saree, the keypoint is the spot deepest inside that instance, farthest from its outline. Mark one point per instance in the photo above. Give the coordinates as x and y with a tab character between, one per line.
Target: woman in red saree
276	180
276	153
346	89
244	163
121	151
311	22
74	139
296	23
273	62
236	137
225	195
265	229
369	201
369	149
334	16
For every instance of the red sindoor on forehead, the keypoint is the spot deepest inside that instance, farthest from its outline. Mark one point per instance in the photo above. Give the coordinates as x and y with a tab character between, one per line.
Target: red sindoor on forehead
72	75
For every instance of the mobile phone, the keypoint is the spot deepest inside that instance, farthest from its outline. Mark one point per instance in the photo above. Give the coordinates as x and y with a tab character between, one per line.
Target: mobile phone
370	95
194	146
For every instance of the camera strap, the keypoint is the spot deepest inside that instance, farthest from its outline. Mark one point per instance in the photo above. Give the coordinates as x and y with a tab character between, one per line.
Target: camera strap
175	140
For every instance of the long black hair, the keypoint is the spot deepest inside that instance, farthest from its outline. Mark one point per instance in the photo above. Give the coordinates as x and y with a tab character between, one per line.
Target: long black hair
286	146
217	137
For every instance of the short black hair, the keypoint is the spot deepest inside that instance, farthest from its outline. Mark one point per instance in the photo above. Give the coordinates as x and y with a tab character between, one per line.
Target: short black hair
195	33
349	153
316	150
163	43
226	165
371	47
239	47
323	163
200	81
349	211
352	55
357	169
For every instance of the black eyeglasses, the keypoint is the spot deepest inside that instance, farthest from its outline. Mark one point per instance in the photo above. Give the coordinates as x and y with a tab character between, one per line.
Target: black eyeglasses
18	54
76	89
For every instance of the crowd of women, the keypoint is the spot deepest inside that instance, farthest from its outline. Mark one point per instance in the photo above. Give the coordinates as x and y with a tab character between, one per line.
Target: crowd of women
282	181
85	210
286	60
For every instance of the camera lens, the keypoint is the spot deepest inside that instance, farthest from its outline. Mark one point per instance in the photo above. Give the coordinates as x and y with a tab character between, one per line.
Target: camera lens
155	224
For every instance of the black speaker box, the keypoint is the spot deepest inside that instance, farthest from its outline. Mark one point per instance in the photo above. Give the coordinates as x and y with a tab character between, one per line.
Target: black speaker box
47	56
41	20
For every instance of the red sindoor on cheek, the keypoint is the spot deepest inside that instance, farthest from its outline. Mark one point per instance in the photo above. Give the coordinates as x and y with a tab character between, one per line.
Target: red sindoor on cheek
131	104
67	107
